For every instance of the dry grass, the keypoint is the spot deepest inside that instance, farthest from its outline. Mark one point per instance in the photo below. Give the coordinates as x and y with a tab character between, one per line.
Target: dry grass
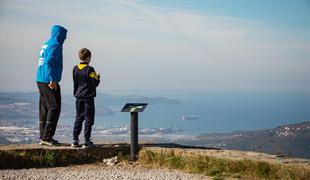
220	168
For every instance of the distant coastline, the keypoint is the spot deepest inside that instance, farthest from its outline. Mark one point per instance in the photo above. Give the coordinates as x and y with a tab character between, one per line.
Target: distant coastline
286	140
25	105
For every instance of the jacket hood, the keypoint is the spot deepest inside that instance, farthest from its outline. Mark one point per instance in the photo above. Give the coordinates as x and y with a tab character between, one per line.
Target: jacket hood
58	33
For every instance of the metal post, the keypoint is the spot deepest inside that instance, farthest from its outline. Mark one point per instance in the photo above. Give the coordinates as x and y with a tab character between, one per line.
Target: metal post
134	108
134	136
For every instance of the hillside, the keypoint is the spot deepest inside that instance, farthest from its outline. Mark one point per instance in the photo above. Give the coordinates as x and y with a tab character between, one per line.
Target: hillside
288	140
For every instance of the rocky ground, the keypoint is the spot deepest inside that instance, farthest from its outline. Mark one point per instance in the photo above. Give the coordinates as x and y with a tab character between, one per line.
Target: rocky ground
97	171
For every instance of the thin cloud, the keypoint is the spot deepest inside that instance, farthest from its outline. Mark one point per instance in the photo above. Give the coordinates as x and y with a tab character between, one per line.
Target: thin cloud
173	48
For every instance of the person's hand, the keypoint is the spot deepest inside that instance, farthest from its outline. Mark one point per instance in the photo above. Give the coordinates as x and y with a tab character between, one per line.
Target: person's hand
53	85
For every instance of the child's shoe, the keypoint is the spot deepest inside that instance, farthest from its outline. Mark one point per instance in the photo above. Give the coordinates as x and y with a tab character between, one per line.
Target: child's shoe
87	144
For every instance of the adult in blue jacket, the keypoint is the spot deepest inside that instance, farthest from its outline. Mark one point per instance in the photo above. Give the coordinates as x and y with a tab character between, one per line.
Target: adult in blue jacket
48	77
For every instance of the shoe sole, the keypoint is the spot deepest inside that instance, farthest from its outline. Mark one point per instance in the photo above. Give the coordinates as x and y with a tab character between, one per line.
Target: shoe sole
85	147
46	144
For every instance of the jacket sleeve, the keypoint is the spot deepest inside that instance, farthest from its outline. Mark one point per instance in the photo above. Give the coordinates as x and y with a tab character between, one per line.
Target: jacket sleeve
73	74
52	62
94	77
75	84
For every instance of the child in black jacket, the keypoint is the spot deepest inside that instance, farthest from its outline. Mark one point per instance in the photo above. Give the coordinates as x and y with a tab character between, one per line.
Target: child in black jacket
85	82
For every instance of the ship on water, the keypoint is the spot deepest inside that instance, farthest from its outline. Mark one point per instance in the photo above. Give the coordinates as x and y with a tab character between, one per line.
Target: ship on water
190	117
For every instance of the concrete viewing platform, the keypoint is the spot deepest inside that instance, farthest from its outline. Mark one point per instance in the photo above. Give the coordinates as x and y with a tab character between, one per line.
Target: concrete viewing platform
35	155
18	156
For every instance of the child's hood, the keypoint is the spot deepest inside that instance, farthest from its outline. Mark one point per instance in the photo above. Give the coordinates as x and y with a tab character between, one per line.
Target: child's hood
58	33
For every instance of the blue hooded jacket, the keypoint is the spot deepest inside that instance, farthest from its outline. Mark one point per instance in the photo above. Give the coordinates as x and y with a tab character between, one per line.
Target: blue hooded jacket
50	57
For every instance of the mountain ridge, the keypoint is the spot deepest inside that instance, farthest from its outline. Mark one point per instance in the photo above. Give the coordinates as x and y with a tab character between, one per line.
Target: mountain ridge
286	140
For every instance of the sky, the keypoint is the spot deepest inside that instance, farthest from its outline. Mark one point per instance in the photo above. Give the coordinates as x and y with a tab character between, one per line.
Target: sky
162	44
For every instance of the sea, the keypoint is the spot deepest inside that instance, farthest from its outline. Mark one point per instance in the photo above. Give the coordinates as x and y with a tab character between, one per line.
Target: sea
202	112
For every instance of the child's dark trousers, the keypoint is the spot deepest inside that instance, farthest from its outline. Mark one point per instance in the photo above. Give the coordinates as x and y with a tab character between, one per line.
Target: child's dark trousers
85	110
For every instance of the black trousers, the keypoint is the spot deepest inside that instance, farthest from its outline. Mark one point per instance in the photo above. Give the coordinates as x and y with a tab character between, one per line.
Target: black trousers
85	110
49	110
